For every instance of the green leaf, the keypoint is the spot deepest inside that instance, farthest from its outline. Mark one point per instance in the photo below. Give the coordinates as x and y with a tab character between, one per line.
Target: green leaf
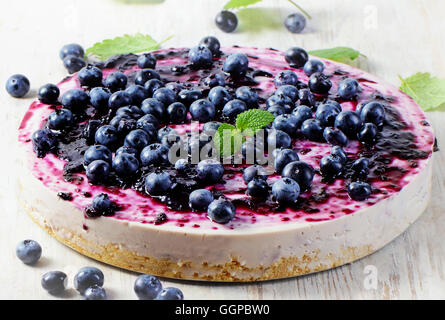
427	91
339	54
227	139
250	121
236	4
126	44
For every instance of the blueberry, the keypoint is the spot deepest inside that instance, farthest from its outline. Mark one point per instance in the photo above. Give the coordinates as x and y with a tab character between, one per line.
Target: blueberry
73	63
147	287
95	292
97	152
182	165
219	96
49	93
102	203
330	166
99	97
75	100
248	95
257	188
302	113
236	64
200	199
149	124
251	150
287	77
152	85
306	97
288	91
146	61
188	96
130	112
60	119
175	86
295	22
154	154
226	21
17	85
54	282
98	171
137	139
209	171
153	107
28	251
359	191
313	66
312	129
170	294
319	83
215	80
287	123
176	112
348	88
296	57
106	135
142	76
255	171
373	112
360	167
157	184
301	172
116	81
127	149
221	211
368	133
212	44
211	126
278	139
283	157
278	102
200	57
72	49
285	190
119	99
125	164
234	108
339	153
326	114
202	110
334	104
165	95
90	130
90	76
335	136
349	122
125	126
360	106
43	141
165	131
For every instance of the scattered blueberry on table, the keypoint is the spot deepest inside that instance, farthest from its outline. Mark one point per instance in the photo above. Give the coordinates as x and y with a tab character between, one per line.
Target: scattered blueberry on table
17	85
28	251
54	282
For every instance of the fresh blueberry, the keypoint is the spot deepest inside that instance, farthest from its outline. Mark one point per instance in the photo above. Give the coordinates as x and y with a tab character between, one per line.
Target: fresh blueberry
98	171
90	76
287	77
72	49
49	93
306	98
125	164
157	184
102	204
60	119
99	98
339	153
137	139
248	95
359	191
209	171
215	80
146	61
278	103
295	22
289	91
283	157
75	100
255	171
165	95
188	96
313	66
73	64
147	287
17	85
170	294
106	135
202	110
319	83
373	112
234	108
296	57
312	129
348	88
28	251
125	126
148	123
236	64
54	282
330	166
226	21
278	139
95	292
154	154
165	131
285	190
200	57
360	106
182	165
302	113
127	149
349	122
287	123
90	130
130	112
221	211
175	86
257	188
153	107
176	112
361	167
335	136
152	85
326	114
212	44
368	133
301	172
97	152
200	199
142	76
334	104
43	141
119	99
116	81
219	96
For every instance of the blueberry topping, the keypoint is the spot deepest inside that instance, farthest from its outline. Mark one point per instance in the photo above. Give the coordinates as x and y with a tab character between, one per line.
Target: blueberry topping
107	136
17	85
295	22
142	76
257	187
373	112
200	57
221	211
157	184
146	61
60	119
360	167
209	171
170	294
330	166
288	91
182	165
348	88
326	114
287	123
119	99
285	190
339	153
278	104
154	154
73	64
319	83
248	95
302	113
226	21
54	282
312	129
99	98
349	122
116	81
296	57
75	100
147	287
97	152
368	133
283	157
301	172
236	64
28	251
127	149
49	93
72	49
95	292
335	136
359	191
153	107
306	97
152	85
98	171
137	139
313	66
255	171
219	96
202	110
43	141
90	76
234	108
125	164
286	77
149	124
90	130
212	44
130	112
176	112
200	199
211	126
215	80
165	131
278	139
165	95
188	96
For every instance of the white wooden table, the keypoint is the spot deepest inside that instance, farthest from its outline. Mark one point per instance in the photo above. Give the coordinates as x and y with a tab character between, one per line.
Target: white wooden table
397	39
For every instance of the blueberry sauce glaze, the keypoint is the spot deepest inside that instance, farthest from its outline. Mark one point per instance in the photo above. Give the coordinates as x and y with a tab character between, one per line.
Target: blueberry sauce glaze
401	152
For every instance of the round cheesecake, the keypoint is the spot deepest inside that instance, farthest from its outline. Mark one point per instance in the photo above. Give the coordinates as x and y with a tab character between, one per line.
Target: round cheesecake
161	235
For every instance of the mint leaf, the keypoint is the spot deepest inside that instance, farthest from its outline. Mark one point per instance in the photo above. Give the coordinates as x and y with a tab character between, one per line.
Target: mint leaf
250	121
236	4
227	139
427	91
125	44
339	54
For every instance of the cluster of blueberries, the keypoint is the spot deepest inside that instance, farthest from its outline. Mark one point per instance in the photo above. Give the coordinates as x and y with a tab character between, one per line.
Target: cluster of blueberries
89	281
